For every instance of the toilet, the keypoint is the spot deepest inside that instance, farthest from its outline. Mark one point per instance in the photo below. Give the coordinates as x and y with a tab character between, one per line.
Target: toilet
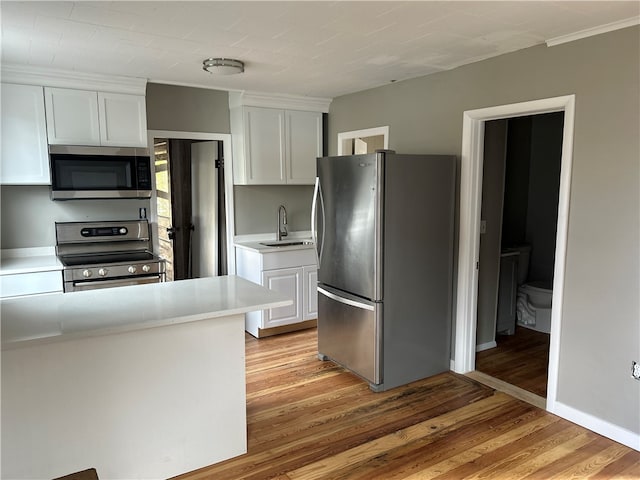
533	304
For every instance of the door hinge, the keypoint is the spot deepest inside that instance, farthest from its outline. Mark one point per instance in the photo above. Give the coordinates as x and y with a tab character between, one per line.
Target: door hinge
220	163
477	265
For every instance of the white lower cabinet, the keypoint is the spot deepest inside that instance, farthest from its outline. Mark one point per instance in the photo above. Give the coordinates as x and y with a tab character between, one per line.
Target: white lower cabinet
289	282
310	297
291	272
32	283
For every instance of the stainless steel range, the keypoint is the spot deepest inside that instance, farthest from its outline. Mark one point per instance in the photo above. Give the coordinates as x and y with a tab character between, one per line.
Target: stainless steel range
107	254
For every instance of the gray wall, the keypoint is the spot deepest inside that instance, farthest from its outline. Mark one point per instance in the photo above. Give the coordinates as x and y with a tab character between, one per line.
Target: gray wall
187	109
516	182
28	215
532	183
256	207
544	184
600	327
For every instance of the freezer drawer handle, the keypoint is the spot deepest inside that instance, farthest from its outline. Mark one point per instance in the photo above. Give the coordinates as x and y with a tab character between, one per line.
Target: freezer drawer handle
346	301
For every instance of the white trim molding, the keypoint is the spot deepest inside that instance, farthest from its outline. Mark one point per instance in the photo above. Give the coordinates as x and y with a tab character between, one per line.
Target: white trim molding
274	100
590	32
609	430
486	346
48	77
469	232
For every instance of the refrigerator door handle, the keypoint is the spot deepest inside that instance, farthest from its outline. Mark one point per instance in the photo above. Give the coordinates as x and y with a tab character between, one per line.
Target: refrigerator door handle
346	301
319	192
314	213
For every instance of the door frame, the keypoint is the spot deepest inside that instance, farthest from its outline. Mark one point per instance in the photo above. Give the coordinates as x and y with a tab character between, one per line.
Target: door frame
471	163
225	138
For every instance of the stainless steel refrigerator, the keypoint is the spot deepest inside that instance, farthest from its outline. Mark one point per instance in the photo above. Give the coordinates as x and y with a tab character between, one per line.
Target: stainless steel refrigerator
383	225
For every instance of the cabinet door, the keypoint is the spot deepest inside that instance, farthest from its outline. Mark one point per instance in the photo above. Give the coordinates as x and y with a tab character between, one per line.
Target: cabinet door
287	281
264	145
72	117
310	301
25	158
123	120
30	283
304	145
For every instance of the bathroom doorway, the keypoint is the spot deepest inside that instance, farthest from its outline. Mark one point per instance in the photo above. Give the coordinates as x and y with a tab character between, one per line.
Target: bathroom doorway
471	169
519	215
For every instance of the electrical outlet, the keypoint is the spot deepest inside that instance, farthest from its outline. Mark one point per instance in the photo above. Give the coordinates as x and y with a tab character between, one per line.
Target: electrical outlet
635	370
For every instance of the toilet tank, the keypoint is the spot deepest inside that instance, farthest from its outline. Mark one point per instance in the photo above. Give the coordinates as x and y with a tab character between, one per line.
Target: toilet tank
523	262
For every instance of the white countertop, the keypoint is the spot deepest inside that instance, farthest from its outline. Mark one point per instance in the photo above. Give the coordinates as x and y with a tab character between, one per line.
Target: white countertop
28	260
256	242
38	319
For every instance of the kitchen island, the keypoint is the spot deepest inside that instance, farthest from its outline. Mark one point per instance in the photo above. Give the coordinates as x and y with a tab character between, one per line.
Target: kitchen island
144	381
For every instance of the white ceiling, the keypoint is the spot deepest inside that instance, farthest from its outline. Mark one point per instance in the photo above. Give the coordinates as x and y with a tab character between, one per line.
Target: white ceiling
321	49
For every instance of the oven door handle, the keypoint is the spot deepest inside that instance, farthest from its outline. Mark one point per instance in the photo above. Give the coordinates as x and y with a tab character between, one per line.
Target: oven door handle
95	285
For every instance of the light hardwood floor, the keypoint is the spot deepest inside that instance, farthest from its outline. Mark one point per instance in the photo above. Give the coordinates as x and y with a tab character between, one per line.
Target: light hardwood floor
309	419
521	359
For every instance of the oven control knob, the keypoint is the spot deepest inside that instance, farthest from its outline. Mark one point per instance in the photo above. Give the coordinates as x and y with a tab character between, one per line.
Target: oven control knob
132	269
87	273
103	272
122	231
146	268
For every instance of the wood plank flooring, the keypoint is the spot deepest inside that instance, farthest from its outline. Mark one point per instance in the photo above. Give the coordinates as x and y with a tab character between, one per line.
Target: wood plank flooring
521	359
309	419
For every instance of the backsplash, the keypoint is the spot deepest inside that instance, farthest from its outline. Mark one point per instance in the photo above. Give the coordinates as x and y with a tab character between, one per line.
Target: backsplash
256	207
28	214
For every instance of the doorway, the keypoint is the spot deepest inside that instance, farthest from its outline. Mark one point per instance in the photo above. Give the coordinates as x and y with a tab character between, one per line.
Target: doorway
474	122
363	141
193	212
519	214
189	197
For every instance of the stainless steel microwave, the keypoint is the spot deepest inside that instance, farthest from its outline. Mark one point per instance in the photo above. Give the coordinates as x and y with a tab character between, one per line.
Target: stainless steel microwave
99	172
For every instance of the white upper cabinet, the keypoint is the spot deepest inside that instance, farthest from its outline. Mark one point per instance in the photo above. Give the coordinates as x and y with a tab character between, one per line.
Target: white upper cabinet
275	146
83	117
276	138
304	145
265	160
123	120
72	117
24	155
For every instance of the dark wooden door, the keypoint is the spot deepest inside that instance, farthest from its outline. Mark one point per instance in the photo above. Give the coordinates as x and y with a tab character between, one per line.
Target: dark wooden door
181	227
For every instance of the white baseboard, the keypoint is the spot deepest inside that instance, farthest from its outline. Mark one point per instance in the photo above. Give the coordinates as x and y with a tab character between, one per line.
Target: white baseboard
609	430
486	346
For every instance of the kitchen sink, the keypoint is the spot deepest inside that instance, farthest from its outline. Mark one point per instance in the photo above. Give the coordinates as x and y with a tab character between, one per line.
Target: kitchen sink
286	243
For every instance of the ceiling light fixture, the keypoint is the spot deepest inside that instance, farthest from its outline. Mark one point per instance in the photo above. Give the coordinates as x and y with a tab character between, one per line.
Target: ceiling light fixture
223	66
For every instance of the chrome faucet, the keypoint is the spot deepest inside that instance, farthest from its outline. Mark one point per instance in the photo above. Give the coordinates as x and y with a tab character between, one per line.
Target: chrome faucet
282	222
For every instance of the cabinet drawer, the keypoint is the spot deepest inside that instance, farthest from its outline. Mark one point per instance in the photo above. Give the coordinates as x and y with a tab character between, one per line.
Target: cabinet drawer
288	258
30	283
